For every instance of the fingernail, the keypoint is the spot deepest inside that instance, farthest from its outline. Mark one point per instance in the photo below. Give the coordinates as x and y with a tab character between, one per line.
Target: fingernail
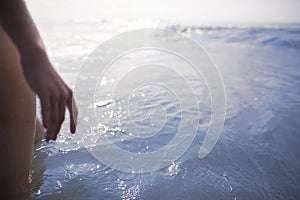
73	130
46	126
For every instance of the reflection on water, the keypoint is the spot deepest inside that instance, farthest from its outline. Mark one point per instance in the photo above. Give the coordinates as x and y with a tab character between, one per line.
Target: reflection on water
256	157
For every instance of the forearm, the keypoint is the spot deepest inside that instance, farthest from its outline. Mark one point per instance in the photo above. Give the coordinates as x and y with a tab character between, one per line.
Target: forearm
53	92
17	22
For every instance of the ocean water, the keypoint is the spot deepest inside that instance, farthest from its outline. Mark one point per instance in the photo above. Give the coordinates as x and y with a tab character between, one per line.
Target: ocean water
257	154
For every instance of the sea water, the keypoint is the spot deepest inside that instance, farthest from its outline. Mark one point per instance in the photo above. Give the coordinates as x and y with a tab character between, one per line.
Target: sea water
257	154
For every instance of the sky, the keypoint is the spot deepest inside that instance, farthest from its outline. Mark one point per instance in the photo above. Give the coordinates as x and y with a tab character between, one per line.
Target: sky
187	11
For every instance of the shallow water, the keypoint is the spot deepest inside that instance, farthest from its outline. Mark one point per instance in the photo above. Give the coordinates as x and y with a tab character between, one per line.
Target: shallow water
257	155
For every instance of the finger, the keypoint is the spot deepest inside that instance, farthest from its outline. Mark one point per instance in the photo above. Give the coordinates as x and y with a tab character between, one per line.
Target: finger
73	113
61	115
54	126
46	106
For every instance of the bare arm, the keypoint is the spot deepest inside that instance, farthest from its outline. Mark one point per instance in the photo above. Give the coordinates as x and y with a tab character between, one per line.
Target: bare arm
18	23
54	94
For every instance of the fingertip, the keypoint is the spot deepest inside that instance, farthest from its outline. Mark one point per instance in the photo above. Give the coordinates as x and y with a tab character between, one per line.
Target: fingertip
48	138
73	130
50	134
72	125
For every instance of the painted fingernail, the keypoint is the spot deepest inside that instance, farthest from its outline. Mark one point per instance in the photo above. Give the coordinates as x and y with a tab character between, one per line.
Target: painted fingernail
73	130
46	126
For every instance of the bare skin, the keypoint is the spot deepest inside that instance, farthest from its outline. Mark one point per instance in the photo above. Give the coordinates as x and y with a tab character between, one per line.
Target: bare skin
25	71
54	94
17	121
39	131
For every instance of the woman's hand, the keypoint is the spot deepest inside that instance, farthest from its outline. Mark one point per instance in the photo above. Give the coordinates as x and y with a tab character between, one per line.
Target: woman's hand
54	94
52	91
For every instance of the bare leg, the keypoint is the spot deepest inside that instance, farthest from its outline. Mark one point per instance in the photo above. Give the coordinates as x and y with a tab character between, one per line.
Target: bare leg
17	120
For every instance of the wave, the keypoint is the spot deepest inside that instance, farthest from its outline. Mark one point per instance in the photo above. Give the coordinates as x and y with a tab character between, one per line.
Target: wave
278	35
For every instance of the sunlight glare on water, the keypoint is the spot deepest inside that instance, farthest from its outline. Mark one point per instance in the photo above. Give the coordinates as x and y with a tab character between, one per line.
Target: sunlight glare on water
256	156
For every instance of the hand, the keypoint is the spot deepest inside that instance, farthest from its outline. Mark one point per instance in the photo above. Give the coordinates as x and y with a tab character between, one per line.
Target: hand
52	91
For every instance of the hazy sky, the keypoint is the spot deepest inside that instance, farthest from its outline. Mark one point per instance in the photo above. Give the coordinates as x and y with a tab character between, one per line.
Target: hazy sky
194	11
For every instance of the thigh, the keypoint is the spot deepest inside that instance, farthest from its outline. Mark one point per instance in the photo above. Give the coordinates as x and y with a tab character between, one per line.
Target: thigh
17	119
